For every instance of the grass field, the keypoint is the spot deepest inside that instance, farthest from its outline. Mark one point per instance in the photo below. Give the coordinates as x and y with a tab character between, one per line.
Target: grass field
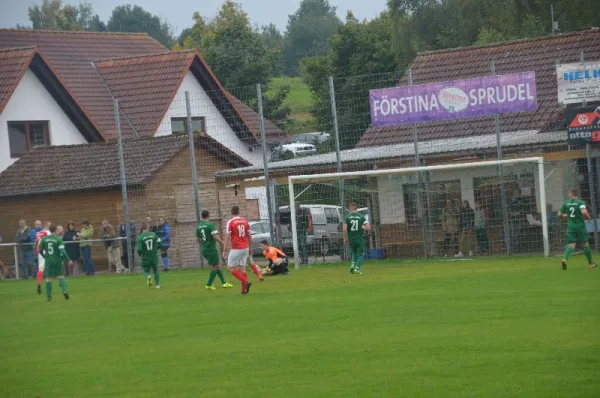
489	328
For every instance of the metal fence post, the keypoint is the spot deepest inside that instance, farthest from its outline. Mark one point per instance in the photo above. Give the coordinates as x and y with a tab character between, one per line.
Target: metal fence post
338	155
263	140
419	185
124	186
192	141
503	199
16	254
590	172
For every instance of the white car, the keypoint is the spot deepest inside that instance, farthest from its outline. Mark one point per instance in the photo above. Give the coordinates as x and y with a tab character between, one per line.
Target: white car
293	150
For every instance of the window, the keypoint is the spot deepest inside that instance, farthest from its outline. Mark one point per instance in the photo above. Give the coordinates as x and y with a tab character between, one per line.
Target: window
24	136
332	216
179	125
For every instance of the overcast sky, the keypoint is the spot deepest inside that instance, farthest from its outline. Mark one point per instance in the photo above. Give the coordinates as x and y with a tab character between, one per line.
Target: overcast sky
179	12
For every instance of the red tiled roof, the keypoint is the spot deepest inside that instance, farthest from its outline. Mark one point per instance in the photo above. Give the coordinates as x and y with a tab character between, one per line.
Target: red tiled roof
13	64
539	55
39	171
70	55
138	70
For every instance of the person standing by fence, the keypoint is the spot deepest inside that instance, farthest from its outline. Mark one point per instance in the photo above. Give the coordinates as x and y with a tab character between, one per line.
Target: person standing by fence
164	233
86	233
23	238
125	243
467	223
113	249
37	227
450	227
72	247
480	221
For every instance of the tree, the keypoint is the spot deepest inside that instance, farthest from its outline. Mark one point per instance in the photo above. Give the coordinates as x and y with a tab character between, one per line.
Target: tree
309	31
52	15
273	41
128	18
238	55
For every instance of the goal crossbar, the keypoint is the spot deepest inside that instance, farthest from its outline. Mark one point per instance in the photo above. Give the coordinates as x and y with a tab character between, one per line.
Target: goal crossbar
413	170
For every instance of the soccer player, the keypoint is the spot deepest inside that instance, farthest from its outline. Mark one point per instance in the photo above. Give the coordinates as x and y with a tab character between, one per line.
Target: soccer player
355	225
238	236
148	245
41	262
278	260
575	212
52	249
208	237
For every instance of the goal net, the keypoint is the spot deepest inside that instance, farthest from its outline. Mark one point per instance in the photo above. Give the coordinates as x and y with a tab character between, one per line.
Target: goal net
454	210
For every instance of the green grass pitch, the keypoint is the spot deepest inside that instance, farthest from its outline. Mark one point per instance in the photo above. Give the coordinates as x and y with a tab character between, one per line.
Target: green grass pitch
517	327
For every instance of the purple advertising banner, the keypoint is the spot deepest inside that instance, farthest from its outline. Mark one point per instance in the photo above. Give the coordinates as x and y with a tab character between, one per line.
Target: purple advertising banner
453	100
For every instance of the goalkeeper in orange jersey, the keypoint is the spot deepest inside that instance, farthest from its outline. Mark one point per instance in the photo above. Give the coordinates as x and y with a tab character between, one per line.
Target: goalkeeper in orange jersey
278	261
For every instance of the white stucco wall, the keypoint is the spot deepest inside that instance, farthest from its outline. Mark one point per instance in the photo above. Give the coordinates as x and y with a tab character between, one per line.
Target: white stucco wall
31	102
559	178
216	125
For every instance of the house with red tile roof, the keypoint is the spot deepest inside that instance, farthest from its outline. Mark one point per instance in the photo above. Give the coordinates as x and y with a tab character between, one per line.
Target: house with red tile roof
94	69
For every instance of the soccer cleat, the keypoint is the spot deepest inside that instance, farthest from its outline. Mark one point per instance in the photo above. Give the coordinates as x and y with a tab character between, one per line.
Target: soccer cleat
49	299
261	278
593	265
39	289
149	281
352	269
66	295
564	264
158	286
357	272
227	285
247	288
207	287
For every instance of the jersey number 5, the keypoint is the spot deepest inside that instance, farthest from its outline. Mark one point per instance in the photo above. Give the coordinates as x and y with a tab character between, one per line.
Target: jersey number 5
149	245
50	248
353	225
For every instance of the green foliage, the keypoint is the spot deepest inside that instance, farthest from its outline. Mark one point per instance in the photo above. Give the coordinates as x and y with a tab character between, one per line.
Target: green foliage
52	15
308	33
128	18
238	55
511	328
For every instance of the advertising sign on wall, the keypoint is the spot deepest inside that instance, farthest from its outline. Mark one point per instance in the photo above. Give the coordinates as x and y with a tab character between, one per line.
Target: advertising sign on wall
578	83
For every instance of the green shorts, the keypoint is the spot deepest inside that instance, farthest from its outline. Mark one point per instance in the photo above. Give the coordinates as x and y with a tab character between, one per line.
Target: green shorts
357	246
212	257
53	269
150	264
577	236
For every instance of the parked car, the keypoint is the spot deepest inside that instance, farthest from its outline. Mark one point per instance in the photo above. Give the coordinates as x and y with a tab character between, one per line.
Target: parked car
312	138
324	235
293	150
260	231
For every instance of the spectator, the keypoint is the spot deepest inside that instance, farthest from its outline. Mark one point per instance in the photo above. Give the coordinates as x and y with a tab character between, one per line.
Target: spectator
153	228
517	219
113	250
164	233
26	245
86	233
450	221
480	222
125	244
467	224
72	247
37	227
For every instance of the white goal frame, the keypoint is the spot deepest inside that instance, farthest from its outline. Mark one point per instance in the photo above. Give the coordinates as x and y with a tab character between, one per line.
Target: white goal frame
413	170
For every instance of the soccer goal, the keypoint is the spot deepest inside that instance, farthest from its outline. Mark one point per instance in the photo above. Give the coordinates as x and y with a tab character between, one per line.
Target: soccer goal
456	210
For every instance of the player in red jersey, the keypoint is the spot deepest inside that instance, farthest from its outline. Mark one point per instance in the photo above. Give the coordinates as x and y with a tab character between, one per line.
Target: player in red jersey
41	261
238	236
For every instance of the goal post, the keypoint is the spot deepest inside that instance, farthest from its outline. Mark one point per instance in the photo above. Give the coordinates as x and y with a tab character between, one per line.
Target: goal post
421	202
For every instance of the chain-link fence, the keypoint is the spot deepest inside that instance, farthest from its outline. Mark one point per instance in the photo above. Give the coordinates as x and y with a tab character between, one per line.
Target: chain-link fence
213	149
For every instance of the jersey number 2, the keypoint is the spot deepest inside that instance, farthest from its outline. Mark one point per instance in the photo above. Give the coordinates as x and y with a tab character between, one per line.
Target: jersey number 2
572	212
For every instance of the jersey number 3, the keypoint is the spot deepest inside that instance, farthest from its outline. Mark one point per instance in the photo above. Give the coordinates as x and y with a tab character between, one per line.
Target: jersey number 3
203	233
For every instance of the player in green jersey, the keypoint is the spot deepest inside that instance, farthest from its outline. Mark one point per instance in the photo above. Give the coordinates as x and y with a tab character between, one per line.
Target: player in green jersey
52	248
208	237
575	212
148	245
355	225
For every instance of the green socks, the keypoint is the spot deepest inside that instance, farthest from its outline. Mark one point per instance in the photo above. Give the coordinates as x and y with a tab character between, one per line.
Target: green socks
568	252
211	278
63	285
49	289
588	254
354	259
146	275
359	261
156	277
221	276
